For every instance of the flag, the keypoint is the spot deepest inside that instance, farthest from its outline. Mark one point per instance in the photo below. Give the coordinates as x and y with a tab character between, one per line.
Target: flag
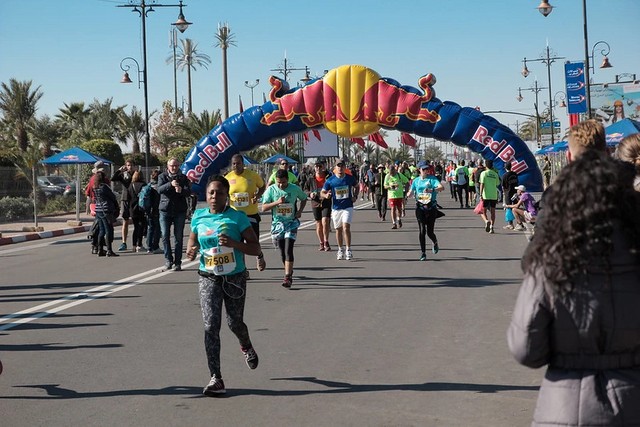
407	139
378	139
455	153
219	120
305	136
358	141
241	108
573	119
290	141
317	134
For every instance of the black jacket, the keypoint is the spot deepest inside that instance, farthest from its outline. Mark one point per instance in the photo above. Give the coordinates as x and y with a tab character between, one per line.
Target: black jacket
170	201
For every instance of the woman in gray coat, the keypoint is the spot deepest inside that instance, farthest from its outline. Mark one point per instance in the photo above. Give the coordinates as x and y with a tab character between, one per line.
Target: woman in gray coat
578	310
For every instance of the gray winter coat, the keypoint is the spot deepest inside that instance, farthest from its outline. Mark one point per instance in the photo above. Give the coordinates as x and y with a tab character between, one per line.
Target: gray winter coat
590	341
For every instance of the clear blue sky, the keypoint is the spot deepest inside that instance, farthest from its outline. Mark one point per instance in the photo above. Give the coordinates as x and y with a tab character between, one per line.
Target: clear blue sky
73	48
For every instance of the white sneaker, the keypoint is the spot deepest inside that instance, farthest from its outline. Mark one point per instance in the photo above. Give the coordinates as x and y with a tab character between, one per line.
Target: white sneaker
340	254
348	255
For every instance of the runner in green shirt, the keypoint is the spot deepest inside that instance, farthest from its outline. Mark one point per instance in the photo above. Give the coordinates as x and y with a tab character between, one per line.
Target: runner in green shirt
489	181
395	183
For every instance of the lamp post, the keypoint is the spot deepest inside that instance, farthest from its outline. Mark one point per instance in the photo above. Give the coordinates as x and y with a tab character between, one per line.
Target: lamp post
536	89
143	8
562	97
546	59
251	86
545	8
285	70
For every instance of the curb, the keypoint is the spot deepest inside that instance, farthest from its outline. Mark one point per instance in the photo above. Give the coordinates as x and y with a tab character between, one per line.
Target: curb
43	235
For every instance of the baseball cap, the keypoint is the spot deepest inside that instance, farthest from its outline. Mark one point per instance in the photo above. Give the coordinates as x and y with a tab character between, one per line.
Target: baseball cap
98	167
521	188
422	164
380	166
342	160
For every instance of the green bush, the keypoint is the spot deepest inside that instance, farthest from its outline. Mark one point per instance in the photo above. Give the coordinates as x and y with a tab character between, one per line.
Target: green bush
59	204
179	153
15	208
106	149
139	159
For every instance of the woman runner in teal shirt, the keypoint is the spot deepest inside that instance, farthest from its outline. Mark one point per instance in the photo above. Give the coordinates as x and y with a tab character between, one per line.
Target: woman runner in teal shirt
220	235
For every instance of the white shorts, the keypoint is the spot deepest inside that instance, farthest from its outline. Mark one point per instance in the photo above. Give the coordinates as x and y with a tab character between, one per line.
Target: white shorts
341	216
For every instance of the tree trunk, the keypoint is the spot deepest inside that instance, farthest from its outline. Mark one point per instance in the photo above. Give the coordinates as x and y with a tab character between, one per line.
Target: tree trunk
224	83
23	140
189	109
135	145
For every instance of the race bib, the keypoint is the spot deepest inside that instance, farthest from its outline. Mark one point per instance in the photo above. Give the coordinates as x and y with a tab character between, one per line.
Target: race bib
219	260
342	192
240	200
285	210
424	198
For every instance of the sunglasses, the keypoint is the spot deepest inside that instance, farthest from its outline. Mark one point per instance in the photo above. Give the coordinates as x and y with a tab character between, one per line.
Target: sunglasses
284	164
340	165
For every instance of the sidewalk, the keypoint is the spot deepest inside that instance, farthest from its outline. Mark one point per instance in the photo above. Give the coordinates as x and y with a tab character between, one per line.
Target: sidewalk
12	232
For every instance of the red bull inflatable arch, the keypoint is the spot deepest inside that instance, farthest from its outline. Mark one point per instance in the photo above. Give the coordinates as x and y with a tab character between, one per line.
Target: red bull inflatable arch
354	101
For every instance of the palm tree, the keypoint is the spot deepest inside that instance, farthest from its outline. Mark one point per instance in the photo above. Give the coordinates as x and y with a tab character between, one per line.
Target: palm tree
45	133
71	116
18	104
225	39
188	57
133	128
194	128
369	149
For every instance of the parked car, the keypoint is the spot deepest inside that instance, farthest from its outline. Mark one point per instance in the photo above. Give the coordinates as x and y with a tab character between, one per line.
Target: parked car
47	182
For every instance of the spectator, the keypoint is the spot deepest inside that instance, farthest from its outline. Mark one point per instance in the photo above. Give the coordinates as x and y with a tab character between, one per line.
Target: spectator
136	213
629	151
174	190
577	310
509	184
124	175
106	213
153	217
529	213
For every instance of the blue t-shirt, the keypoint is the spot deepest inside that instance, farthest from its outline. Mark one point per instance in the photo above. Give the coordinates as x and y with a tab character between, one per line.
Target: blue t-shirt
341	191
418	186
207	226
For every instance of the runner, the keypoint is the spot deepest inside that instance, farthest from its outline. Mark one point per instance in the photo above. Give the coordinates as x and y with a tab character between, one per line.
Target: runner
282	199
426	187
395	184
380	192
220	235
343	189
245	189
320	207
489	181
283	164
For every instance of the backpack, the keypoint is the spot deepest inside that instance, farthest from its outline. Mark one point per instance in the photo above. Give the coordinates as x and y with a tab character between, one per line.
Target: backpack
512	180
144	199
462	176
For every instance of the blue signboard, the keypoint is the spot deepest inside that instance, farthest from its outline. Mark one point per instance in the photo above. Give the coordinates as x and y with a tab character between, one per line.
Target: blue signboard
545	125
576	87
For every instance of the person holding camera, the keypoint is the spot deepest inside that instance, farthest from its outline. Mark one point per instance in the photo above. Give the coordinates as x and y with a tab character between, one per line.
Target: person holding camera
320	207
124	176
174	190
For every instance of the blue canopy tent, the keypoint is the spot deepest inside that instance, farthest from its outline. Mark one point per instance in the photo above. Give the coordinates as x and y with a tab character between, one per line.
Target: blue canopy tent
618	131
555	148
276	158
249	161
73	156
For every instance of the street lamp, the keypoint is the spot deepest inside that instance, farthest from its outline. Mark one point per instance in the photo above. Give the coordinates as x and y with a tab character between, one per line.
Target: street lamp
562	97
605	63
536	89
285	70
631	77
181	24
251	86
547	60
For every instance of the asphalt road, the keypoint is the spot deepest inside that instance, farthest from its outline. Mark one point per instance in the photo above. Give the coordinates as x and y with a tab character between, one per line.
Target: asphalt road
382	340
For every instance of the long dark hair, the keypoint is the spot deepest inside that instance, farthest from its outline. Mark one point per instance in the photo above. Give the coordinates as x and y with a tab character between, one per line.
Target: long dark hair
581	209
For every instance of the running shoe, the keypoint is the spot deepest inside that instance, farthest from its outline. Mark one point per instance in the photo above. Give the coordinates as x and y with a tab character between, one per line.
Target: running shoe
246	275
399	223
491	230
519	227
340	254
110	253
251	357
215	387
487	226
348	255
262	264
436	248
287	282
321	247
123	247
327	248
508	227
394	227
177	267
423	257
167	265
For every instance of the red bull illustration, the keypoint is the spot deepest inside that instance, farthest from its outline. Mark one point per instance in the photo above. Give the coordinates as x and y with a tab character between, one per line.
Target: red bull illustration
354	101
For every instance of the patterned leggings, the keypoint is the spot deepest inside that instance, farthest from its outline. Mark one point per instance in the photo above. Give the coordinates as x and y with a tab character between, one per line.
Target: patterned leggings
215	290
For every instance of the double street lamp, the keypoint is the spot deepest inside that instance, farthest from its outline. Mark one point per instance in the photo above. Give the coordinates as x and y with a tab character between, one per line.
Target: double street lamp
546	59
251	86
143	7
536	89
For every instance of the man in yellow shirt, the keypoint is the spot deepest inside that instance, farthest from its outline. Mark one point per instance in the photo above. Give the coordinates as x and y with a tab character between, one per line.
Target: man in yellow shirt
245	189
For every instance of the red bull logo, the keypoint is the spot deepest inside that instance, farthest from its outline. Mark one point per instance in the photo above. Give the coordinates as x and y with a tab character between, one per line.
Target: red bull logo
615	137
351	101
207	156
500	148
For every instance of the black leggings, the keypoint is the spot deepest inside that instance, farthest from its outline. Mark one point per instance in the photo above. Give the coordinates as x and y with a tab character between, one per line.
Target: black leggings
286	249
459	190
426	224
139	229
381	204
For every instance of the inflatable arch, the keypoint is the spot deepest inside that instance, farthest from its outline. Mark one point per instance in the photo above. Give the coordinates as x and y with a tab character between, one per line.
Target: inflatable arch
354	101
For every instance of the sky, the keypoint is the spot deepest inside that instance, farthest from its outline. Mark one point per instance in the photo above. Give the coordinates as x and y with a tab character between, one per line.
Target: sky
72	49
